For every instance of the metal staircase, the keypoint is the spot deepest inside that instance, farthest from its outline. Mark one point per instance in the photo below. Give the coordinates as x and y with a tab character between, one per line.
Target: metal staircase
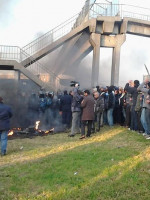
29	55
15	53
88	12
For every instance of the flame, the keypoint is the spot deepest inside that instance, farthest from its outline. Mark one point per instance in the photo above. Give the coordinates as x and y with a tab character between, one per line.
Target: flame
51	130
46	132
18	129
10	132
37	123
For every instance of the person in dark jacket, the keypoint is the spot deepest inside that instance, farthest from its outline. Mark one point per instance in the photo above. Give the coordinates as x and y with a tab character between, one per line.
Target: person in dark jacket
116	111
87	113
5	115
111	104
32	109
127	108
65	109
98	110
134	92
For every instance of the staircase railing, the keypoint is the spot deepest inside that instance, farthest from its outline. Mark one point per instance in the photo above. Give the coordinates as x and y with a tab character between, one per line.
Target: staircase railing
16	53
122	10
88	11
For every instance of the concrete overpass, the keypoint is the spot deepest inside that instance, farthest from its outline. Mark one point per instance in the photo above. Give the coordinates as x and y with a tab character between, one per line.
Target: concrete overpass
109	32
85	34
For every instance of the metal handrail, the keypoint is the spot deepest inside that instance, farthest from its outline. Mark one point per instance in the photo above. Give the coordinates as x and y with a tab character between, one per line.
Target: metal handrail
88	12
16	53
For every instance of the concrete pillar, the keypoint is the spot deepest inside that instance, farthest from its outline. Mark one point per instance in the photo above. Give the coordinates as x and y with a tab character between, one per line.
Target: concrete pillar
95	42
17	75
120	39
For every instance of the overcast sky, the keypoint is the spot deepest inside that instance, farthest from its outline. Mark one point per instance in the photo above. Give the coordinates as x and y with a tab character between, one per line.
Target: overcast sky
21	21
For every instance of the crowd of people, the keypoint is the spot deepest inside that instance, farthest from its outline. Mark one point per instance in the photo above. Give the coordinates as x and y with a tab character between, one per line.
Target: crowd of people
128	106
75	110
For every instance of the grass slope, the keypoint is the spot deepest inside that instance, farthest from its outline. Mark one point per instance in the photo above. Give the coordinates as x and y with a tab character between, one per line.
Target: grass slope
112	164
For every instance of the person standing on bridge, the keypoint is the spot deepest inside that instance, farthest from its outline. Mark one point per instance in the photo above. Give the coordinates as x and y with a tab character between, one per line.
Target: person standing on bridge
5	115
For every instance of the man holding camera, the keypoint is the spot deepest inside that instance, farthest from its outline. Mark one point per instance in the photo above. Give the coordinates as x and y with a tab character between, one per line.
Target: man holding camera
76	109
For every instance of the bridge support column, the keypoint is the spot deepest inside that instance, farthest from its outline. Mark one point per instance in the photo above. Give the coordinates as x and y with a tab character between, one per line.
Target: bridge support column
120	39
95	42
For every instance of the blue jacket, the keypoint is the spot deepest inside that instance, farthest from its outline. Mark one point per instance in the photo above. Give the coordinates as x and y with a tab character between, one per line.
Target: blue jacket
65	103
5	115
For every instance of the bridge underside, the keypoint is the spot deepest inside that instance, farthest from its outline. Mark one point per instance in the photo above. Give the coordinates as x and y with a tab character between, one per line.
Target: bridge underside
108	32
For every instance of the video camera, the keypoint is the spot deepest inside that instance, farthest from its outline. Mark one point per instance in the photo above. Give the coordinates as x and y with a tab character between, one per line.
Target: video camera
74	84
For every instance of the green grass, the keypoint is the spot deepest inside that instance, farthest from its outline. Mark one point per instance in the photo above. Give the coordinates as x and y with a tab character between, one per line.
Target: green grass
112	164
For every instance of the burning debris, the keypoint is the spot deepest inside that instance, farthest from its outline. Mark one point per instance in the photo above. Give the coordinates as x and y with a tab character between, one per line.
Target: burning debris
29	132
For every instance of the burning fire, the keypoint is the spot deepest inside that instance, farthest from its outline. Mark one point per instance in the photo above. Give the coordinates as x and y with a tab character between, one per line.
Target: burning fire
18	129
10	132
51	130
37	123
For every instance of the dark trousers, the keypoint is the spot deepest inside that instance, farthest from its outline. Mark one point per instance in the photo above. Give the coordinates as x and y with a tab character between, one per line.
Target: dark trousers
134	119
89	126
140	127
128	116
66	118
97	121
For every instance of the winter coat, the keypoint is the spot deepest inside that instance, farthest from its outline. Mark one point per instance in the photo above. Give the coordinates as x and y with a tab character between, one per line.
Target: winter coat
76	101
139	104
133	91
88	108
145	91
65	103
111	100
99	105
5	115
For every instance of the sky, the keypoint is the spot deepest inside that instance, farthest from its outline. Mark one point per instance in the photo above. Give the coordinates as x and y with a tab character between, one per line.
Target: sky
22	21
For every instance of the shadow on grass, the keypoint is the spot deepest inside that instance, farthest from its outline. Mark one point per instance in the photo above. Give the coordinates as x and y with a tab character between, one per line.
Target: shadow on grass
111	174
42	152
52	175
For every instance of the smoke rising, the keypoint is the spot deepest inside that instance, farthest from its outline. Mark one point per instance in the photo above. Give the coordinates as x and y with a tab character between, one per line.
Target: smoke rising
6	14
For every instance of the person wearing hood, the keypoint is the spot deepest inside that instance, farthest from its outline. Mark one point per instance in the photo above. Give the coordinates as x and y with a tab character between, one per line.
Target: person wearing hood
5	115
131	88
